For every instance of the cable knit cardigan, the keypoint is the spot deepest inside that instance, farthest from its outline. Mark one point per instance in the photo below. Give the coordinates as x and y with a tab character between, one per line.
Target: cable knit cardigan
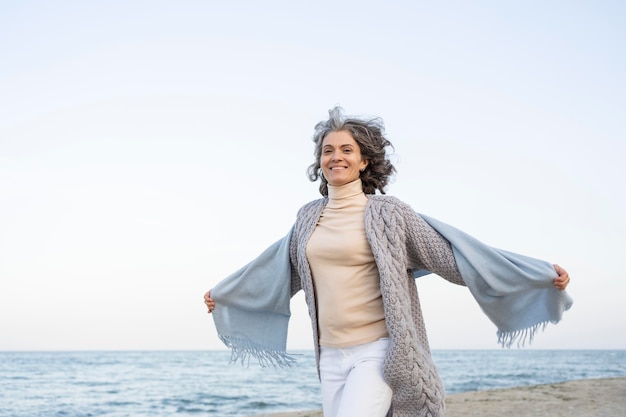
401	242
515	292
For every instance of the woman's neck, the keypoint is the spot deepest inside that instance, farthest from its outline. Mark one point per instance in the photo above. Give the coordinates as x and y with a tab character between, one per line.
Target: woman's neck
351	189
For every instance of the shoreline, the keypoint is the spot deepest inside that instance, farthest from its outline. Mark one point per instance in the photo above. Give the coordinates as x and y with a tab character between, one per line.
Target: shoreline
576	398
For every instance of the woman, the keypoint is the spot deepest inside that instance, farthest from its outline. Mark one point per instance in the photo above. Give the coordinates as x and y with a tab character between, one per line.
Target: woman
355	254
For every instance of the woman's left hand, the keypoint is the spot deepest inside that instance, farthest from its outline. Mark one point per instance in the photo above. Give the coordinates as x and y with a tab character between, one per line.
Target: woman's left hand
560	282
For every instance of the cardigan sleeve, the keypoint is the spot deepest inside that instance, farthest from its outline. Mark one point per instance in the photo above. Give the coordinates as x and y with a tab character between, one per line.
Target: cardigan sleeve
296	283
427	249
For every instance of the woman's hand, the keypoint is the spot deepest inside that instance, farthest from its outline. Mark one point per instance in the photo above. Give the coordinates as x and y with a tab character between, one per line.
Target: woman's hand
210	304
561	282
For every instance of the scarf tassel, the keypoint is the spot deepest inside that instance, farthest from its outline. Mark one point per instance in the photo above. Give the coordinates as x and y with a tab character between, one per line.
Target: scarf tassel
243	351
520	337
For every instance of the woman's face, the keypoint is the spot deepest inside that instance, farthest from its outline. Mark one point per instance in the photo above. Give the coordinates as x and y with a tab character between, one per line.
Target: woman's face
341	159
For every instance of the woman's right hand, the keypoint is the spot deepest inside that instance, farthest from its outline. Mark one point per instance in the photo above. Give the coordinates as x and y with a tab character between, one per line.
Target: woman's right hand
210	304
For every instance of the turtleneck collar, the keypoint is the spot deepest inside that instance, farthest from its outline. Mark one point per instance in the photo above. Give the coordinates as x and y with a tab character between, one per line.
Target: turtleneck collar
348	190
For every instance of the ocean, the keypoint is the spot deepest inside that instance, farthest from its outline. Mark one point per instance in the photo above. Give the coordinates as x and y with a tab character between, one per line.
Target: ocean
202	383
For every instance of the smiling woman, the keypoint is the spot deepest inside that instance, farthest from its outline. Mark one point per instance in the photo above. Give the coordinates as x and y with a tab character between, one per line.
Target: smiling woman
355	254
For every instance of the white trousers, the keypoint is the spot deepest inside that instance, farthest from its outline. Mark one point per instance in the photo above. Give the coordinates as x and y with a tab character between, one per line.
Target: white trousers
352	381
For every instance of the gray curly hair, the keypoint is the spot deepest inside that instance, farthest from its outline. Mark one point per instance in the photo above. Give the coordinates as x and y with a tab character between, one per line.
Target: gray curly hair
369	134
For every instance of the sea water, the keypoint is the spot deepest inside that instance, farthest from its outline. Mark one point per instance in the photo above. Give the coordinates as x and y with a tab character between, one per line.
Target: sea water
202	383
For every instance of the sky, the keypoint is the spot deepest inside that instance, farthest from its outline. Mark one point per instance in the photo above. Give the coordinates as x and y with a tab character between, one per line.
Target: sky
150	148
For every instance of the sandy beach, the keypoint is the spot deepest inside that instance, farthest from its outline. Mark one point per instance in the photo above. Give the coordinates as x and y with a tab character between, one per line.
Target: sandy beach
605	397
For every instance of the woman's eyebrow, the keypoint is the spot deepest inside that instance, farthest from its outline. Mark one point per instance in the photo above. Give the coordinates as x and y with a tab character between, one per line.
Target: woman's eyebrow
341	146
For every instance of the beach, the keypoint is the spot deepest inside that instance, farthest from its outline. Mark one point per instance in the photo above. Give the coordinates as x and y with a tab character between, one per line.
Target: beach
605	397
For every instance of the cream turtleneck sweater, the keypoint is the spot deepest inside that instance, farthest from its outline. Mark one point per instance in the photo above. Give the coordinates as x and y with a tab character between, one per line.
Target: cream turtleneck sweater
345	276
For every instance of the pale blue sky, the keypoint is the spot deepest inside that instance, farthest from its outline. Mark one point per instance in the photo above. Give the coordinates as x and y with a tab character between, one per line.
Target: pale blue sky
148	149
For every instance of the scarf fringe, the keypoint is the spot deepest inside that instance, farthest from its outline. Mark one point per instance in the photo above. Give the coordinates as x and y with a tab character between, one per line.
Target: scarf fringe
243	351
520	337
